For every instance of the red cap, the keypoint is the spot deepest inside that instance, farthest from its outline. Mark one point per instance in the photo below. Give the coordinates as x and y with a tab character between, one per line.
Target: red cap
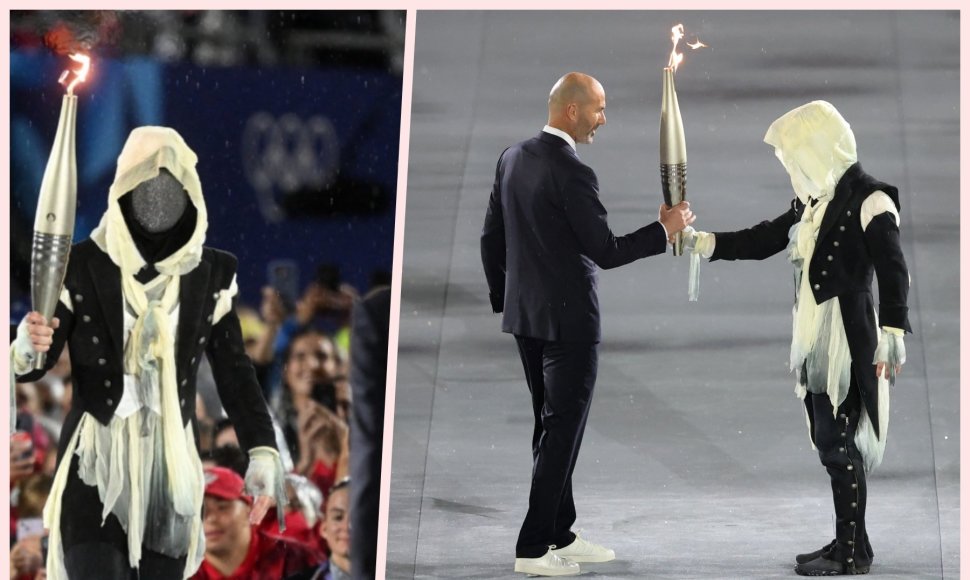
225	484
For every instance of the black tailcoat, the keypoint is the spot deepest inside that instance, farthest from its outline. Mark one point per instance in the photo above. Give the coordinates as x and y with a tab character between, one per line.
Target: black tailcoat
842	266
94	334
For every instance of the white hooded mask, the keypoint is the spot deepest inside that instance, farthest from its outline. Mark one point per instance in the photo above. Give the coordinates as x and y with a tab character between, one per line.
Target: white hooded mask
146	152
816	146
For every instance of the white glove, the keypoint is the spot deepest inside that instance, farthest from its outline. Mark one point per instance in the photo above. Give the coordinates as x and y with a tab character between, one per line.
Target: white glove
891	350
262	475
265	478
22	350
701	243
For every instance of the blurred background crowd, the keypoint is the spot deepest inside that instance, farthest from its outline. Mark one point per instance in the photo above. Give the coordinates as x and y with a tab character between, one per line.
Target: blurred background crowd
311	359
295	118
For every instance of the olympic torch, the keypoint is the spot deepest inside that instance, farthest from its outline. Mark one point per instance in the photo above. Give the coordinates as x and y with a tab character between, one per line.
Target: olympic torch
673	144
673	150
54	221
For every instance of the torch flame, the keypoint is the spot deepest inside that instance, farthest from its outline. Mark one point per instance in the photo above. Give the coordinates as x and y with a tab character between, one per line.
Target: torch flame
79	75
676	34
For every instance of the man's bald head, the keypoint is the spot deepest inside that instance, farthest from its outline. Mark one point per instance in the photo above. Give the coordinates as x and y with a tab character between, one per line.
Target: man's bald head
574	87
576	106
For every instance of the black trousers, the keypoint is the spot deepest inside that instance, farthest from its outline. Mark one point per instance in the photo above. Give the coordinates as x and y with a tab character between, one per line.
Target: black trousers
561	377
834	435
93	550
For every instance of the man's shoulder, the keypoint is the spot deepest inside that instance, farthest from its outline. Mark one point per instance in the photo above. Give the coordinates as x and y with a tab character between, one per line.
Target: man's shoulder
547	148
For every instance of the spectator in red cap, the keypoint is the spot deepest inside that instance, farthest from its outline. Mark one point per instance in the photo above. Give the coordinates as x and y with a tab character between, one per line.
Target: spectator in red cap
236	550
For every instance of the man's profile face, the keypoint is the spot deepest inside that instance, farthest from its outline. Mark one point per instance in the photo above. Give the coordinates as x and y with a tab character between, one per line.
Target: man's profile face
225	524
591	114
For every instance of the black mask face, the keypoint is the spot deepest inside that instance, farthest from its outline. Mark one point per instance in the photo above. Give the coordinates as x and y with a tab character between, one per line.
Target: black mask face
157	204
142	223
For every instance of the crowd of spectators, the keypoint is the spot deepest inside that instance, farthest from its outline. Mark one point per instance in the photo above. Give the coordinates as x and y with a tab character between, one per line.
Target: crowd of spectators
226	37
302	355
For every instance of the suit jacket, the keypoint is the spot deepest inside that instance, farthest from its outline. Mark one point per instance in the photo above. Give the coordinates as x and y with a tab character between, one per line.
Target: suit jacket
545	233
368	380
842	265
94	333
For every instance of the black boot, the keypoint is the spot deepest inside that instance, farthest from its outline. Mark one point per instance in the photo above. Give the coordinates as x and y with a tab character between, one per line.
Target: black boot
809	556
803	558
825	566
850	552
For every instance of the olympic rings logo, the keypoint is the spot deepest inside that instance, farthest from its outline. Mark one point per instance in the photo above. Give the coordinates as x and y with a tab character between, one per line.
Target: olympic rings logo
287	154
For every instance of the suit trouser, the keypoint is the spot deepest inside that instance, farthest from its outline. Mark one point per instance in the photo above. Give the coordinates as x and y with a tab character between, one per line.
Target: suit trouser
834	436
561	377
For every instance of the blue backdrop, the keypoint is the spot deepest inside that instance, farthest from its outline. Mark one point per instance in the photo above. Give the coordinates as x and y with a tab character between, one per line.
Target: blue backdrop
296	164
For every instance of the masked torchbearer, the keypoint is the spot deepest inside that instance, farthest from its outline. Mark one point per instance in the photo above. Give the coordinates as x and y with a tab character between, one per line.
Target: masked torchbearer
143	301
842	227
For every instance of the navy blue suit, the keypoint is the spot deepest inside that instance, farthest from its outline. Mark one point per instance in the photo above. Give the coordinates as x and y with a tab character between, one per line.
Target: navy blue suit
545	234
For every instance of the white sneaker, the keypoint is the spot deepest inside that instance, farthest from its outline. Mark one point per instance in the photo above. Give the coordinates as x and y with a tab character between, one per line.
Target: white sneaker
549	564
582	551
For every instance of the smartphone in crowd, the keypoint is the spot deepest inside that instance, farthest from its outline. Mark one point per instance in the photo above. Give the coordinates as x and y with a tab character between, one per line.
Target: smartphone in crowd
284	277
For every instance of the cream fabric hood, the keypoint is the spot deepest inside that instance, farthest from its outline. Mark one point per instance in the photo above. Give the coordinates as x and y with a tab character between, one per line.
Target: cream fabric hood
816	146
148	150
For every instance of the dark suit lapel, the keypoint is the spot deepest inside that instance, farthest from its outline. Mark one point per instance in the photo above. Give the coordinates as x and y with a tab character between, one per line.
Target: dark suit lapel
106	279
193	297
843	191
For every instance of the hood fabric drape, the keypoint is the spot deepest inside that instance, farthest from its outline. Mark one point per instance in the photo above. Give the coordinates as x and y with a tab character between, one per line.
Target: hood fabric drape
147	151
816	146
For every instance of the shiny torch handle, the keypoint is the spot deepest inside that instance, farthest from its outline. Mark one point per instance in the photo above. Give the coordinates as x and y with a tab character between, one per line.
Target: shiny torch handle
673	180
673	151
54	220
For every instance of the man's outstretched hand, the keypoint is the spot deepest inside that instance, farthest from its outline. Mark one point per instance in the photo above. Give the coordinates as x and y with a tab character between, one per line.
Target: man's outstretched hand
676	218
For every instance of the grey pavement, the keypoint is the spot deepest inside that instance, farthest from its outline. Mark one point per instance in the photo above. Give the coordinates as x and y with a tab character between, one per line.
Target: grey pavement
696	461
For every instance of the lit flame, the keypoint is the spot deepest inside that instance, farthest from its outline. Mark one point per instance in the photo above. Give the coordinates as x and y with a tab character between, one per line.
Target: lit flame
79	75
676	34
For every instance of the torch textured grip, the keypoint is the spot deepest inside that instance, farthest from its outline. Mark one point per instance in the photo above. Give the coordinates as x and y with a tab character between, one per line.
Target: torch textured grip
48	265
673	180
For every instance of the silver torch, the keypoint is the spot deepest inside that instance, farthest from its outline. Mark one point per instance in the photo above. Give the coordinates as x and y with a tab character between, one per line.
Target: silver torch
673	151
56	205
673	144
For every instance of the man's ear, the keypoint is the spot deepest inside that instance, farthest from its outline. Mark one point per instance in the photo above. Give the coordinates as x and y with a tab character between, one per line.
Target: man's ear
572	111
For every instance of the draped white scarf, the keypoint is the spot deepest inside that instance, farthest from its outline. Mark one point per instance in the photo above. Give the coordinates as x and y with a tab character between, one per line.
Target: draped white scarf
149	355
819	345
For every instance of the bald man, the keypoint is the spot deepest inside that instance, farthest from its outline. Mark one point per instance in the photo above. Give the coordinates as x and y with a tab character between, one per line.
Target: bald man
545	234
